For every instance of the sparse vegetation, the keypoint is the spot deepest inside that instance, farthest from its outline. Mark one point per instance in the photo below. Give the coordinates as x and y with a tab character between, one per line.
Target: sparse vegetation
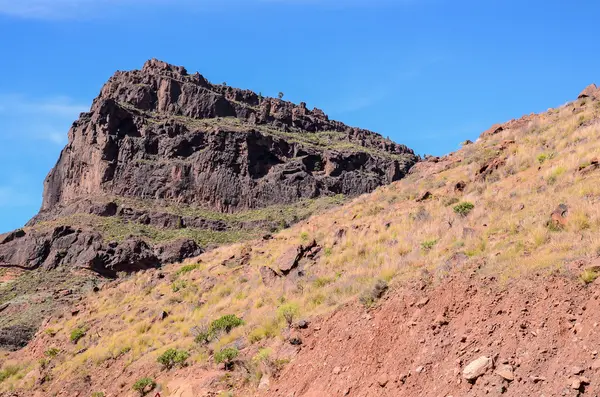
52	352
372	295
8	371
187	268
144	386
226	356
464	208
172	358
588	276
77	334
288	312
428	244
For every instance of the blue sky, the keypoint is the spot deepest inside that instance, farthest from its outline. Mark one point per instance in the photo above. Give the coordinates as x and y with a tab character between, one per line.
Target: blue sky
427	73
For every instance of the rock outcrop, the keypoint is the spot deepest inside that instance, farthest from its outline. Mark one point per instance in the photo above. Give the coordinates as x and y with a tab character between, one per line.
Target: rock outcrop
160	136
161	133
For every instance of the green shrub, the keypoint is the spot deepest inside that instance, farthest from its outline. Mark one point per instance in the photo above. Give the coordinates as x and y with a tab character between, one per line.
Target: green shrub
219	326
178	285
173	357
77	334
225	324
144	386
464	208
98	394
429	244
52	352
187	268
288	311
8	371
226	356
542	158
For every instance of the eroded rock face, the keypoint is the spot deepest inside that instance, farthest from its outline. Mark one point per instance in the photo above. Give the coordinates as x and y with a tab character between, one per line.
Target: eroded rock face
161	133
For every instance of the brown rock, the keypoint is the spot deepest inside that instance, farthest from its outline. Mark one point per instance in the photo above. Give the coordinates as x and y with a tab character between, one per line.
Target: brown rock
268	275
591	91
505	371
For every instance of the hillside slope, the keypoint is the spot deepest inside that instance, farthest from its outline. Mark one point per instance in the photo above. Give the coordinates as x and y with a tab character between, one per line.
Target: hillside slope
166	165
474	275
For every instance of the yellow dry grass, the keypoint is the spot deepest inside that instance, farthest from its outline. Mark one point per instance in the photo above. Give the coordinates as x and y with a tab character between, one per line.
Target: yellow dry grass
388	235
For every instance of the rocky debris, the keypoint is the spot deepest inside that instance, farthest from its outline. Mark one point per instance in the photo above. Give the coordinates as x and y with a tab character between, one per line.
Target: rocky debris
16	337
268	276
505	371
177	251
591	91
477	368
558	217
592	165
290	259
460	186
489	167
239	260
66	246
425	196
302	324
422	302
264	383
493	130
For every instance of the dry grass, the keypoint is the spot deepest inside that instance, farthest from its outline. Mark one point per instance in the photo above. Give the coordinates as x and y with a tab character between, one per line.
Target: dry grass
388	236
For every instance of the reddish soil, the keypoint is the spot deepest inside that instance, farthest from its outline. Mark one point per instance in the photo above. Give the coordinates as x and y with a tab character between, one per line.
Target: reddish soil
418	342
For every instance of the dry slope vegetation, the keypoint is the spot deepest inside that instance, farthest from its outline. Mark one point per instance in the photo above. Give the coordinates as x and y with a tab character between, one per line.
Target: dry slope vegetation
487	255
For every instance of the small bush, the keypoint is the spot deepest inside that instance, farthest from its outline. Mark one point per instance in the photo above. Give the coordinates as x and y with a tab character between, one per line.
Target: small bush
226	323
464	208
52	352
178	285
98	394
8	371
144	386
226	356
263	355
221	325
77	334
288	311
173	357
542	158
187	269
589	276
428	245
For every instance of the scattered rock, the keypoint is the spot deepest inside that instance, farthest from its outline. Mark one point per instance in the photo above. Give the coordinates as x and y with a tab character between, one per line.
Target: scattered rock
424	196
477	368
591	91
559	216
268	276
382	380
505	371
265	382
421	303
460	186
337	370
302	324
577	370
